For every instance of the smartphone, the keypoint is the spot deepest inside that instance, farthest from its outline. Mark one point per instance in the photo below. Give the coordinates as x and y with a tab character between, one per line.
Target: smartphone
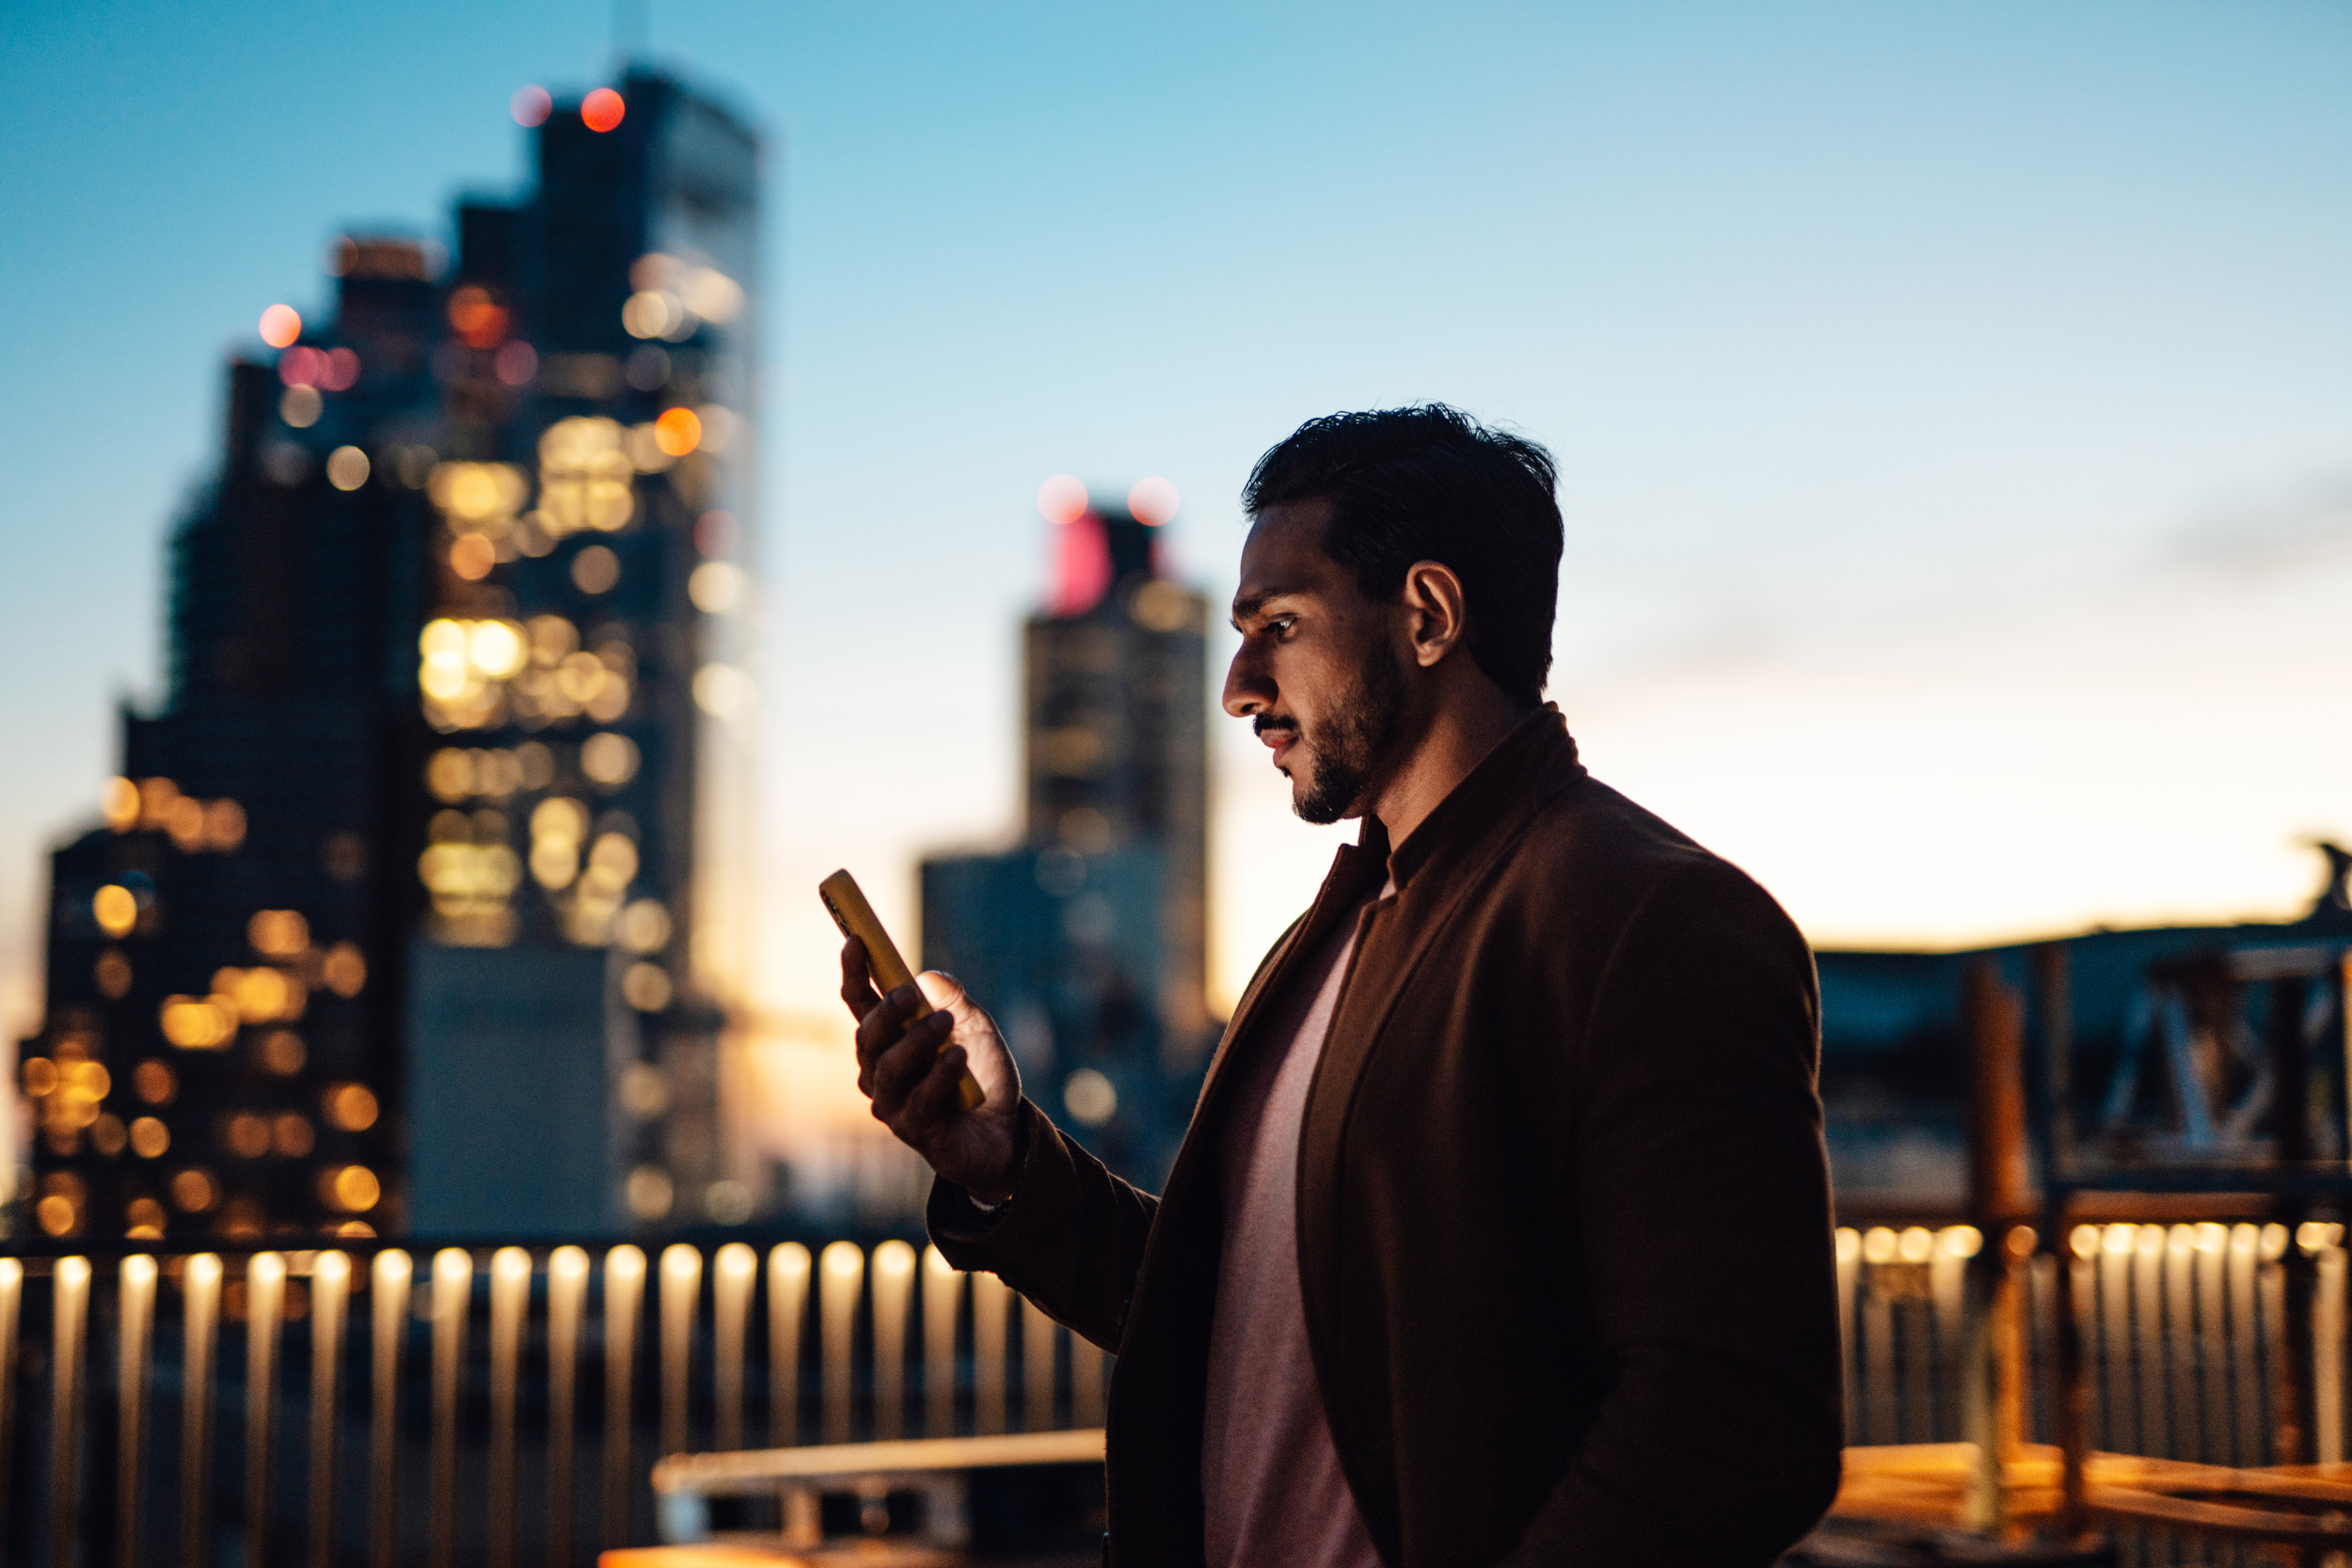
846	902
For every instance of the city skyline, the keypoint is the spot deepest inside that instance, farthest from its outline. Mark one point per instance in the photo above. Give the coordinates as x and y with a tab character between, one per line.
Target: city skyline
1882	449
421	901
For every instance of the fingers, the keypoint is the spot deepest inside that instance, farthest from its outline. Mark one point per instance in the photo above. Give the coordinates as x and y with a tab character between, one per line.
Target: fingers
939	1096
931	1099
880	1029
897	1071
857	979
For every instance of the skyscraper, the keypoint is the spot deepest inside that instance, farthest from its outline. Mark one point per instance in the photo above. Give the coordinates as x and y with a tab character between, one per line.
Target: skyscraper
419	903
1089	941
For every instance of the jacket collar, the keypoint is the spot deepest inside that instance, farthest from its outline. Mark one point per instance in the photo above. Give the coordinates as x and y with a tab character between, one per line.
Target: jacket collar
1536	757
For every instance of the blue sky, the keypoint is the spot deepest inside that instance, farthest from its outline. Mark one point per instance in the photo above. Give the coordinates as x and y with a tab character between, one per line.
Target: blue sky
1845	321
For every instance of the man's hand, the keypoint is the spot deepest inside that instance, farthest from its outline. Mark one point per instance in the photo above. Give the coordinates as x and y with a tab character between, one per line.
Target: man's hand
913	1082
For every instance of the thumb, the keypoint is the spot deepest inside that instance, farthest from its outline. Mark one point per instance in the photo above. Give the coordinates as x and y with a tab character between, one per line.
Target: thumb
945	992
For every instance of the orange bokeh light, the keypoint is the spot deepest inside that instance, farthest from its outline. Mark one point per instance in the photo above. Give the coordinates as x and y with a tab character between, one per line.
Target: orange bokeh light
602	109
280	326
478	319
677	432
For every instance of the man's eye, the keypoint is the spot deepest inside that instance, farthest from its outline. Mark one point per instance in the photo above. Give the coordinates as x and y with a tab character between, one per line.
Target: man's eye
1280	626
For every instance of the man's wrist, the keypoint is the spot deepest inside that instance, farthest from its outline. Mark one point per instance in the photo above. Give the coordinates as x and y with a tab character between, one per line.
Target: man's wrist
993	1195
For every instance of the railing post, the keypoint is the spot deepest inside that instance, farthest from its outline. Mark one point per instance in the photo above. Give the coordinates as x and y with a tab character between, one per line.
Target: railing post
989	1310
2291	1110
264	1298
732	1274
568	1302
69	1310
392	1275
453	1293
943	1297
894	1287
681	1288
138	1294
788	1308
844	1266
1999	1196
1037	1367
624	1288
11	1301
331	1300
509	1295
200	1285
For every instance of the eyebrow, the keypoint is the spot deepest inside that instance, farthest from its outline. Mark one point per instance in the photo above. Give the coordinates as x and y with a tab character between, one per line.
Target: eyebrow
1246	606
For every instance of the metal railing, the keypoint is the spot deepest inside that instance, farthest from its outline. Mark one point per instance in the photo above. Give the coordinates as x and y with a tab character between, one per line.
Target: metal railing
473	1405
2182	1329
504	1405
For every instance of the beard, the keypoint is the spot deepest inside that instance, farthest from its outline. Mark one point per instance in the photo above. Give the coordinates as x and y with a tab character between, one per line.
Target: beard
1344	748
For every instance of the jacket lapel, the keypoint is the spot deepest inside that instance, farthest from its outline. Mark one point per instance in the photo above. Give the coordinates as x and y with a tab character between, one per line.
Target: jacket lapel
1436	867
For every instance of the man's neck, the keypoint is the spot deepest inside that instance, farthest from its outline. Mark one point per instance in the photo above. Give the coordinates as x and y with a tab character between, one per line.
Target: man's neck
1467	720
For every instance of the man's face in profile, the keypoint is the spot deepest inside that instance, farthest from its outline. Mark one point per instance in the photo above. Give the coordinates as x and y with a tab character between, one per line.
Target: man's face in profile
1316	670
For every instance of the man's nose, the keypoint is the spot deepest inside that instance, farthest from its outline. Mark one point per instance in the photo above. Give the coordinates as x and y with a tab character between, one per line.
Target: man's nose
1248	691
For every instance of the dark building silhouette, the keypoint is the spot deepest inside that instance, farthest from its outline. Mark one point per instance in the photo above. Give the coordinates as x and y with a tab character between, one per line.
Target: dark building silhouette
419	901
2174	1033
1089	941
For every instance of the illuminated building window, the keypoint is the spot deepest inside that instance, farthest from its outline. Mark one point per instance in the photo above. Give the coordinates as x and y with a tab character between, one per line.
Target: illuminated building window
472	556
349	1107
261	994
193	1190
113	973
198	1023
291	1134
649	1194
347	468
150	1137
246	1135
224	826
645	926
716	587
185	824
344	968
353	1189
155	1081
608	759
280	1053
145	1217
464	671
644	1090
586	479
646	988
107	1134
595	570
120	803
279	933
115	909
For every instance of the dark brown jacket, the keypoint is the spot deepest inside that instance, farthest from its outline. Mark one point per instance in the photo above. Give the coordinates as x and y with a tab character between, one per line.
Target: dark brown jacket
1563	1224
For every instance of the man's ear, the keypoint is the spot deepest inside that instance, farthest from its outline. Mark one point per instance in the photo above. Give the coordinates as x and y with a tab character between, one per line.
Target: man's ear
1437	615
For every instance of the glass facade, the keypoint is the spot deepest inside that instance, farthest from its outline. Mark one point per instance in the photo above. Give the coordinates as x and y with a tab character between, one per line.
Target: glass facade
1089	942
421	901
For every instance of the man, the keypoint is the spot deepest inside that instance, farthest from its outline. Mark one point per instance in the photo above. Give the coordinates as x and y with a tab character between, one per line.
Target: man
1501	1230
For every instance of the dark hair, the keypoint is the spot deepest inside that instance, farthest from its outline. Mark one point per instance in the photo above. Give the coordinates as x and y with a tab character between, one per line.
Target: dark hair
1432	483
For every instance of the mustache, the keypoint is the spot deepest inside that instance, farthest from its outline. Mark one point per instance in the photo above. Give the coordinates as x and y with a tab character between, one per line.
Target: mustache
1266	723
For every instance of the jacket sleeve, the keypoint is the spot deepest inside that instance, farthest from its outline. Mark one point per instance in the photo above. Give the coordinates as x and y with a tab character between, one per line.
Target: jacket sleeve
1071	1238
1698	1207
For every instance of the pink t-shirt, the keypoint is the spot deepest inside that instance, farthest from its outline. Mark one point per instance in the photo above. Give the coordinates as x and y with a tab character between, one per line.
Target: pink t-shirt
1269	1475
